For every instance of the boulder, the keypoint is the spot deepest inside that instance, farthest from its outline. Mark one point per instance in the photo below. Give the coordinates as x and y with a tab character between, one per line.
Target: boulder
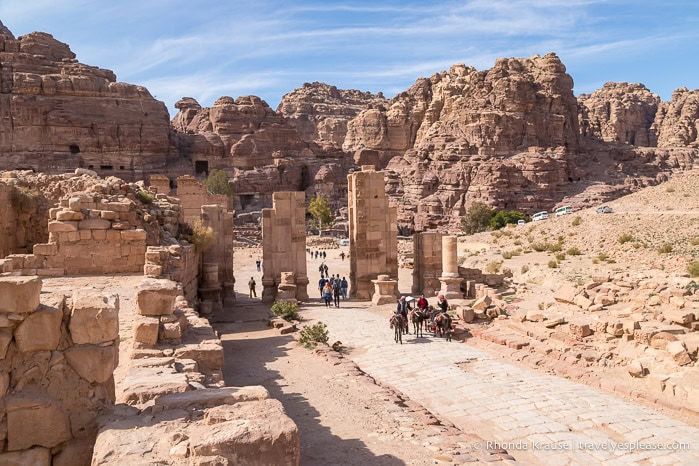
636	369
156	297
23	430
679	353
481	304
566	294
19	294
94	318
95	364
40	331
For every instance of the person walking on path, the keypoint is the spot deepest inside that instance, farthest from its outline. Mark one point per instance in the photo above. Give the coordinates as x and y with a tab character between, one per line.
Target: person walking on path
252	285
258	263
327	294
321	285
325	266
344	286
337	292
342	255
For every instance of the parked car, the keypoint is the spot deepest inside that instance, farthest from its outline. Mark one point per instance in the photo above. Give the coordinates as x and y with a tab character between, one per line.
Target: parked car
521	222
540	216
344	242
565	210
605	209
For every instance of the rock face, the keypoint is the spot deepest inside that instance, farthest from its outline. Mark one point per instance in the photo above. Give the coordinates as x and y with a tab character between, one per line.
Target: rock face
259	149
57	114
320	112
677	121
515	137
620	112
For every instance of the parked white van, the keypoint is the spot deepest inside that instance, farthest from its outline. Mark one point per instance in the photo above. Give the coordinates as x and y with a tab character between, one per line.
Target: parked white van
540	216
565	210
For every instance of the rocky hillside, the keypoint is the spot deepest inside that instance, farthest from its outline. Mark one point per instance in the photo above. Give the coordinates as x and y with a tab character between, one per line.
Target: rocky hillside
516	137
320	112
57	114
513	136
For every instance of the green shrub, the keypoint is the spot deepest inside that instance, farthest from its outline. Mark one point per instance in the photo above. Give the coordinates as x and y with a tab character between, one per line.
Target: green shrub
669	189
505	217
477	218
511	254
540	247
625	238
555	247
553	264
310	336
560	256
602	256
145	197
493	267
200	236
573	251
576	221
217	183
666	248
541	306
286	310
694	241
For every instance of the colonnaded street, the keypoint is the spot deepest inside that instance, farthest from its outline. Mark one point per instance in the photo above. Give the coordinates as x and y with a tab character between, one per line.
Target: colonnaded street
538	418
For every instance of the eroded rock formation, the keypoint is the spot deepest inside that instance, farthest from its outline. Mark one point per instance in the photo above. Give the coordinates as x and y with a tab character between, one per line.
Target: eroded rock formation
320	112
57	114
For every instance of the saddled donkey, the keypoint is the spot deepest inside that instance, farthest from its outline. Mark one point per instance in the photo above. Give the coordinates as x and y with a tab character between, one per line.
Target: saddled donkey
418	317
398	324
442	324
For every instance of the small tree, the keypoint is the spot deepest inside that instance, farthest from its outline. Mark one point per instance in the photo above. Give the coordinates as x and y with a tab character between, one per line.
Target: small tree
477	218
320	212
217	183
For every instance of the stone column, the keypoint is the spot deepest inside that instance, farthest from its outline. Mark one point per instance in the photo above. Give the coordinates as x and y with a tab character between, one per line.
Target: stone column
450	279
373	232
284	243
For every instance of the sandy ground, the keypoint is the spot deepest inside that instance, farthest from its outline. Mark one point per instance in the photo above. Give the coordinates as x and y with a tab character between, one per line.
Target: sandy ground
341	420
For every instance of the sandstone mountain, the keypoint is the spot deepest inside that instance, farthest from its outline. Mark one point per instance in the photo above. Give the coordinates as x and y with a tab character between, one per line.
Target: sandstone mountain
320	112
513	136
58	114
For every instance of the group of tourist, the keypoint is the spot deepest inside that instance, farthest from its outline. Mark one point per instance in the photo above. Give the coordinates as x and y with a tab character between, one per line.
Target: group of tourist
422	305
332	288
316	254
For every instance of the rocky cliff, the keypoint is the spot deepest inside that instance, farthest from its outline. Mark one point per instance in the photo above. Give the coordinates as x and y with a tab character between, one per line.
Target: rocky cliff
57	114
260	150
515	137
320	112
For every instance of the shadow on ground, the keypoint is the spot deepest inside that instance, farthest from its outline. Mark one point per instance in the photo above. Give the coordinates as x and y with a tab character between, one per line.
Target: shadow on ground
249	346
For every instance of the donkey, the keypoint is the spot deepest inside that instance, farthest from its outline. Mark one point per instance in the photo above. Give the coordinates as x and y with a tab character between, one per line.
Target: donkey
442	325
418	317
397	323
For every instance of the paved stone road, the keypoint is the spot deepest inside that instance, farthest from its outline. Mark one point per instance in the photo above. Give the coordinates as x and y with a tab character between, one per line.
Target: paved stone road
539	419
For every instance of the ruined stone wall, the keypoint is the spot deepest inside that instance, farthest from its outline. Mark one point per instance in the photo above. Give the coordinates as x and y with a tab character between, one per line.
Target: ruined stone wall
373	232
427	265
193	195
178	262
160	184
284	243
221	250
57	357
86	236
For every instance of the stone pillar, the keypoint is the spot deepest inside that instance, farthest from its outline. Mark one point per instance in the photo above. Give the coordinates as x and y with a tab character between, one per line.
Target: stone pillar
450	279
286	291
284	244
373	232
384	290
427	263
210	288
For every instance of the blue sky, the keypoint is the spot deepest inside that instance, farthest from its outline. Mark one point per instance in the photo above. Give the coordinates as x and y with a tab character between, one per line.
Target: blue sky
206	49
